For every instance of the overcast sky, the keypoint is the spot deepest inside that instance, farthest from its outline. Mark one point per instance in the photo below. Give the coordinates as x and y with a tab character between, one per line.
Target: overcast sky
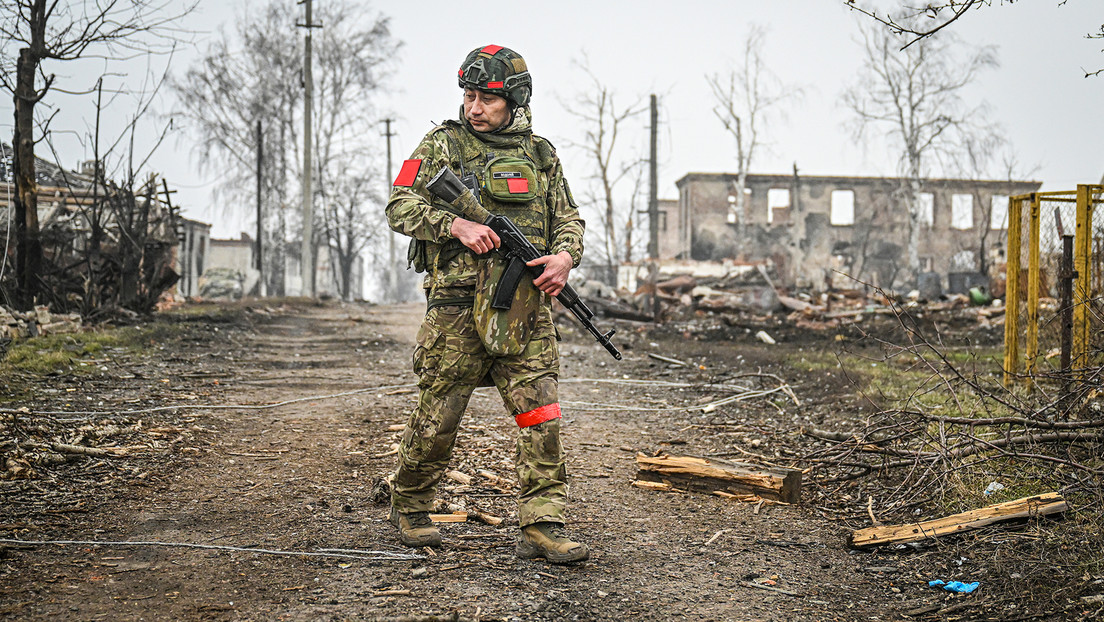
1048	109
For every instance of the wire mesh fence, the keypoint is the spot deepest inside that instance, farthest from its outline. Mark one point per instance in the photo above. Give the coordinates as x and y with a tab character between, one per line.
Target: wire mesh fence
1038	224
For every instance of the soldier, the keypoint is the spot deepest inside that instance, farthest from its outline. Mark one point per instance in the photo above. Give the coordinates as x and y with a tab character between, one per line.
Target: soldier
464	343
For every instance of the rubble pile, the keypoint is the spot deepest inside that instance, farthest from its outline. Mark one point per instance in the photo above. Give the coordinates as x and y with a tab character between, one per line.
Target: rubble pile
222	284
753	296
39	321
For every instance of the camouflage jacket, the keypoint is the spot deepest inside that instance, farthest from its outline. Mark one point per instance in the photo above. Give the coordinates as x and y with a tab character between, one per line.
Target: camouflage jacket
543	209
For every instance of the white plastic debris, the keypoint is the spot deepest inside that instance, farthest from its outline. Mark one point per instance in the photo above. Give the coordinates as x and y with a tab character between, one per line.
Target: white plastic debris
764	337
993	487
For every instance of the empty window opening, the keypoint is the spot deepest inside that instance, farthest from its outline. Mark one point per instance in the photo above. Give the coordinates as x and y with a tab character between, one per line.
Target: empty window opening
777	198
962	211
843	208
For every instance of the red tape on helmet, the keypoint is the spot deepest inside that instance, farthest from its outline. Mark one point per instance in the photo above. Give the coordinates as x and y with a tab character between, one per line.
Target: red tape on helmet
491	49
408	173
538	415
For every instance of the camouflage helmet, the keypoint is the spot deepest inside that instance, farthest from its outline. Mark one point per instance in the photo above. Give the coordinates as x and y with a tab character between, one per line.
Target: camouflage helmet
497	70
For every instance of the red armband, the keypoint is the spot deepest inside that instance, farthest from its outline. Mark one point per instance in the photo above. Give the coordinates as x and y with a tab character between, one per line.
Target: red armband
538	415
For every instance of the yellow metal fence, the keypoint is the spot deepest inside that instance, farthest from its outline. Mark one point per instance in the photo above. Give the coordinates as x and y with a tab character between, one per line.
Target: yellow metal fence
1036	223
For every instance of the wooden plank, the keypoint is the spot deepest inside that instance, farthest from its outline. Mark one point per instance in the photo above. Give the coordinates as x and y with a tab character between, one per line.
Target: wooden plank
710	476
455	517
1027	507
653	485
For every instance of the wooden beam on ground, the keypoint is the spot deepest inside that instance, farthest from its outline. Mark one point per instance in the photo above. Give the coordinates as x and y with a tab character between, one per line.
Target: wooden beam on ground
1027	507
717	476
454	517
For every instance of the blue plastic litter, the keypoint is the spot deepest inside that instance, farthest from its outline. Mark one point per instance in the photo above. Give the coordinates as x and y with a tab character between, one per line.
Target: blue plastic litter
956	586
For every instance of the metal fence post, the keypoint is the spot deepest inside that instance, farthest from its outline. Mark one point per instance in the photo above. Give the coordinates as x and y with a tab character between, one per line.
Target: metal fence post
1031	353
1012	290
1082	257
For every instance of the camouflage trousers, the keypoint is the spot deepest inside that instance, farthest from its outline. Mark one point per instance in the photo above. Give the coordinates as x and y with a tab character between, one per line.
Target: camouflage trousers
451	362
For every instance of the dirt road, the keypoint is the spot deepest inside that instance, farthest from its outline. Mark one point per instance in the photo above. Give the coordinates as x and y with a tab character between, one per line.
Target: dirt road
291	420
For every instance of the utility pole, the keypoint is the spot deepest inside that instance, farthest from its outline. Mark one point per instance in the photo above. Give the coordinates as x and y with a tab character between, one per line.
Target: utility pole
392	280
307	254
653	212
260	228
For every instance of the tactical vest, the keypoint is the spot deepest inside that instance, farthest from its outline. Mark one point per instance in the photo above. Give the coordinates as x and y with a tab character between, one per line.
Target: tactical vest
513	180
513	176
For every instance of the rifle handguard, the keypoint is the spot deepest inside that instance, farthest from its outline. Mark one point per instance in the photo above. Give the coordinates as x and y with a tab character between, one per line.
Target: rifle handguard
446	186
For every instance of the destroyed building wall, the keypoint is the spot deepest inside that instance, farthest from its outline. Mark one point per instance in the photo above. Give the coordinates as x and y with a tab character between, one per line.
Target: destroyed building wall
813	228
235	258
669	239
191	255
233	254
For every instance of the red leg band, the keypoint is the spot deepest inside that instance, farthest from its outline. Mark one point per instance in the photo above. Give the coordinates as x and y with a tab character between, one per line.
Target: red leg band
538	415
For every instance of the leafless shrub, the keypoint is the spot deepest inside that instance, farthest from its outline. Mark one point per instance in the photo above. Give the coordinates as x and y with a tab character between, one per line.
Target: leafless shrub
956	439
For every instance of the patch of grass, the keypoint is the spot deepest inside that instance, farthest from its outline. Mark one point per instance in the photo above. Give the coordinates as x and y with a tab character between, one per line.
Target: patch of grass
40	356
813	361
194	309
966	487
44	355
986	356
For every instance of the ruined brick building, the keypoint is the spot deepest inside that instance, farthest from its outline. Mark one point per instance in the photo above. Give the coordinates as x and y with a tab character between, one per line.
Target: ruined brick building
814	230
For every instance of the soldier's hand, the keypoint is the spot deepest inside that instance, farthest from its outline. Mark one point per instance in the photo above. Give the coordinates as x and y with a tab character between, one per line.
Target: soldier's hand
554	277
480	238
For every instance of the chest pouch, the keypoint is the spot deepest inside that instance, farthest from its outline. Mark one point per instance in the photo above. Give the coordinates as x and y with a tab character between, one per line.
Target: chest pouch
511	180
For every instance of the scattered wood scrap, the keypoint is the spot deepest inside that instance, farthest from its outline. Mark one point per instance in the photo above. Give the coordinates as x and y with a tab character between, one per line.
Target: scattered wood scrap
450	510
452	517
65	448
667	359
1027	507
716	476
769	588
459	477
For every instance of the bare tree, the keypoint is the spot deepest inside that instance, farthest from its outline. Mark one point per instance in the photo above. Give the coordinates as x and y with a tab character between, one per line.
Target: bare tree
53	31
915	96
938	15
746	97
918	21
345	225
107	245
352	60
250	75
987	155
255	74
604	122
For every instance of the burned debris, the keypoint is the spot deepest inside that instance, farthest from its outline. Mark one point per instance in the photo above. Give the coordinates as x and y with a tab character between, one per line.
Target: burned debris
109	249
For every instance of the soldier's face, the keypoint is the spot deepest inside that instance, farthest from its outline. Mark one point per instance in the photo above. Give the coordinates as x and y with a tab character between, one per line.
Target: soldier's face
484	111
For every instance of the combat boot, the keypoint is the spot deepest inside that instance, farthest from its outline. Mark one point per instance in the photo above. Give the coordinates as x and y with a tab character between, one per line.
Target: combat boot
415	529
547	540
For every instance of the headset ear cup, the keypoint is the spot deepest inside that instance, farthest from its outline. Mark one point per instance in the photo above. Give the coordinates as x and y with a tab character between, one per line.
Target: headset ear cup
521	95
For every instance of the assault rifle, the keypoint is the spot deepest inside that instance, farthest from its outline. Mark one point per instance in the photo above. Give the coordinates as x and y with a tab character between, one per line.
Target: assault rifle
518	250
